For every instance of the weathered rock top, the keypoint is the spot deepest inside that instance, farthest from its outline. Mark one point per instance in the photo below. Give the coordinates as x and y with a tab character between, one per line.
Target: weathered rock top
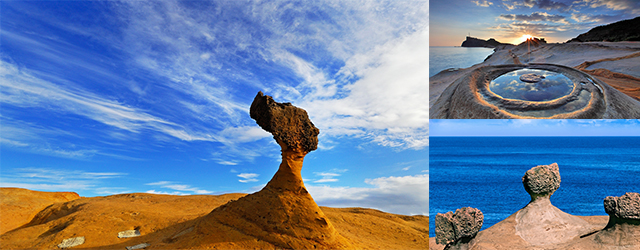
461	226
624	207
290	125
542	180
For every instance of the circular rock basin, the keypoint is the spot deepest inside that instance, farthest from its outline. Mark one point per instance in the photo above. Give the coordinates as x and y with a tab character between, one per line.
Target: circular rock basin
534	85
516	91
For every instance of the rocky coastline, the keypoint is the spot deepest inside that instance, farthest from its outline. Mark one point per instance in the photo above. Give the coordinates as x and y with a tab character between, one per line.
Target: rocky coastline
541	225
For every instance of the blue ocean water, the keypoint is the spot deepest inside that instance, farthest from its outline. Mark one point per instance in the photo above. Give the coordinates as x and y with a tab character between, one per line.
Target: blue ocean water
486	173
441	58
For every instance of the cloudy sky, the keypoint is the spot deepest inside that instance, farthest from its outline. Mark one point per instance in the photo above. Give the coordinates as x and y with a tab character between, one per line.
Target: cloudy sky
508	20
105	97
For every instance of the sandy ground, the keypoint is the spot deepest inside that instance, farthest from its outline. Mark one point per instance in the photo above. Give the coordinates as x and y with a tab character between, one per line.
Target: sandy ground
622	58
42	220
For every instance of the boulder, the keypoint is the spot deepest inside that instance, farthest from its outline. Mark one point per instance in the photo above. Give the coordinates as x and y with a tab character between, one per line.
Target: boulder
458	227
542	180
623	207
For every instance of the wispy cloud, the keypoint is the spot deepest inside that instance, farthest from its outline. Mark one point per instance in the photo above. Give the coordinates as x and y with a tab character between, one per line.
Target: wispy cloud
627	5
248	177
329	176
403	194
179	189
51	179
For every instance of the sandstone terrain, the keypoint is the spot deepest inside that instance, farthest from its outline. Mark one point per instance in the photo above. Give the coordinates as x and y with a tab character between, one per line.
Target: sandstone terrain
282	215
169	222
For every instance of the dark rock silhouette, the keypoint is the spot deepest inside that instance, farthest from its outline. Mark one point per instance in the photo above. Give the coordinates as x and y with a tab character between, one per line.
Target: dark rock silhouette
625	30
475	42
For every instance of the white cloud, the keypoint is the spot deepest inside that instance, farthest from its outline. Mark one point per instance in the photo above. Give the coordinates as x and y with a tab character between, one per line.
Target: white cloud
484	3
180	188
402	195
51	179
248	177
329	176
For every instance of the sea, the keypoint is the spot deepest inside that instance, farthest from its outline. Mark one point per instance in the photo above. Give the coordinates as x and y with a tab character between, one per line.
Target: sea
444	57
486	173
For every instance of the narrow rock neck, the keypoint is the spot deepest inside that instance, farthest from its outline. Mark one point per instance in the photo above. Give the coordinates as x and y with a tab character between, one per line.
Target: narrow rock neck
288	177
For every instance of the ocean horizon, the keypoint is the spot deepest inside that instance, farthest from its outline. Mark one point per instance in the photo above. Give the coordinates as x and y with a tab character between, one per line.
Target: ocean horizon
486	172
445	57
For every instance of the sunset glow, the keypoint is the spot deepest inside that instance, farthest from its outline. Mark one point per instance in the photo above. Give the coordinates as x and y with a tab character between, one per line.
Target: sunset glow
525	37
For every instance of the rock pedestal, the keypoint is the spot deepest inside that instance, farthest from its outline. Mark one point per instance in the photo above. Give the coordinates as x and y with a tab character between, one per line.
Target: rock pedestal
283	213
623	229
540	223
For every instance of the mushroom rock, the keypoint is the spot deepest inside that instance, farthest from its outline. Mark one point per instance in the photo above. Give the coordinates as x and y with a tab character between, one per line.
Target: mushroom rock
457	229
472	95
283	213
540	223
623	229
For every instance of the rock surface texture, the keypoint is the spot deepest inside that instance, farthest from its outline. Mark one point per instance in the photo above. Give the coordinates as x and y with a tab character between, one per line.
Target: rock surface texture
283	213
458	228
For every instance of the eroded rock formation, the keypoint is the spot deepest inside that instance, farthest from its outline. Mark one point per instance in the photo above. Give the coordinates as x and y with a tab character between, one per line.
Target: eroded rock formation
540	223
283	213
456	229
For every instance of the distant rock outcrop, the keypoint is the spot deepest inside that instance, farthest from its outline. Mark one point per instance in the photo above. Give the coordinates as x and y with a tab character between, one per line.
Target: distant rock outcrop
625	30
459	227
283	213
475	42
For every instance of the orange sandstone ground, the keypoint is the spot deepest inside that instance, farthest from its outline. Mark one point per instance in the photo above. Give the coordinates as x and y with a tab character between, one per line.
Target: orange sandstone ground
42	220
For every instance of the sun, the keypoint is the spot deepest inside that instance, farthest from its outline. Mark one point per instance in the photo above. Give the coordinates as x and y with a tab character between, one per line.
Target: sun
525	37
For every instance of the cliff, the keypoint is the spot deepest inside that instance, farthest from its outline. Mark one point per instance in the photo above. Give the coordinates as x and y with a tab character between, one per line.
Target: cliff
475	42
625	30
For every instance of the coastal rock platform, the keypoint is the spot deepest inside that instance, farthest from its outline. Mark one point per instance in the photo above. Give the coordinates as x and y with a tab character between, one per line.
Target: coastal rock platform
470	97
613	64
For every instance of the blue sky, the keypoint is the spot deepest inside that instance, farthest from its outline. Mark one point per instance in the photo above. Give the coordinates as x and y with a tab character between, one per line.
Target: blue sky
507	20
106	97
540	127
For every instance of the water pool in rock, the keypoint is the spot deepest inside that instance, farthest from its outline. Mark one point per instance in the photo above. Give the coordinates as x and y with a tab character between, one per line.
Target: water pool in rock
547	85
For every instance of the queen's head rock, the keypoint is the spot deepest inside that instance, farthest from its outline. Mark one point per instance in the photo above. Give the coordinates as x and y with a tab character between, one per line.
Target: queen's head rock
542	180
283	213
